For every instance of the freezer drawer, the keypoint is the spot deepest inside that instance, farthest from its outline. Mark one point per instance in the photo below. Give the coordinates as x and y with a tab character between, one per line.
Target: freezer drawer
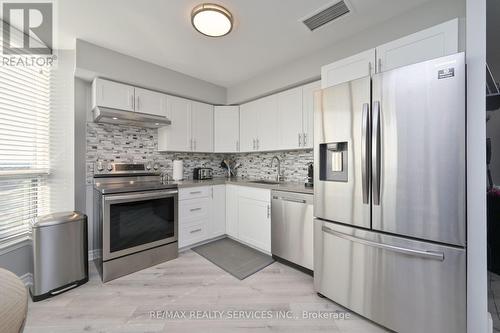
405	285
292	227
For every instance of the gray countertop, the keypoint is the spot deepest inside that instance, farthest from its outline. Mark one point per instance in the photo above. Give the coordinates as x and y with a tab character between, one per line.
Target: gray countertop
283	186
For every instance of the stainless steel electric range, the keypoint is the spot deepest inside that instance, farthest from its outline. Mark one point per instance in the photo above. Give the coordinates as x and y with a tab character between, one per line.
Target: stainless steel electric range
135	218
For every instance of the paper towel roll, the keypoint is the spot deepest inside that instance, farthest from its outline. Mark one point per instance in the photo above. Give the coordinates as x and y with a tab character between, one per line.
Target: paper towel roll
177	173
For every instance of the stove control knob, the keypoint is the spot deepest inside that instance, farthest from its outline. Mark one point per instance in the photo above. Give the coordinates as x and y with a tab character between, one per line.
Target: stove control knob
156	166
109	167
148	166
99	166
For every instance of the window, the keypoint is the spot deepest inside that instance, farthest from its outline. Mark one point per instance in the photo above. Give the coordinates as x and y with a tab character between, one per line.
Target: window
24	147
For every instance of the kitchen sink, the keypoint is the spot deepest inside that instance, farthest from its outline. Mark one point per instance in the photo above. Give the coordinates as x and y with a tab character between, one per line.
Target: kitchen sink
265	181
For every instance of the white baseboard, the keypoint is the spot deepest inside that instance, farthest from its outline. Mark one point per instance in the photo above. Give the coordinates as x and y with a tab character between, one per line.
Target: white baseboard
27	279
188	247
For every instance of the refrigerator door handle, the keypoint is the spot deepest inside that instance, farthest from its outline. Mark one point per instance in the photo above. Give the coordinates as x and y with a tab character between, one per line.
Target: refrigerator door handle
365	148
376	154
411	252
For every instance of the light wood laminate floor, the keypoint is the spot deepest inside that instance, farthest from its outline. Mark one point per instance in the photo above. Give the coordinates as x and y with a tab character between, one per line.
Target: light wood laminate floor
192	283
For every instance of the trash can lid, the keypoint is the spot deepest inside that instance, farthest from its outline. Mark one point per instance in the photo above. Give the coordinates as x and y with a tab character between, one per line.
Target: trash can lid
58	218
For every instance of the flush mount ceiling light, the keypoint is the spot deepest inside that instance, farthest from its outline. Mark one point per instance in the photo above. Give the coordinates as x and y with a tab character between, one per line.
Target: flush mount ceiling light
212	20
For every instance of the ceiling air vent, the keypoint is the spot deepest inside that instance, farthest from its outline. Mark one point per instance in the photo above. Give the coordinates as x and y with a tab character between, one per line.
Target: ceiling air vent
326	15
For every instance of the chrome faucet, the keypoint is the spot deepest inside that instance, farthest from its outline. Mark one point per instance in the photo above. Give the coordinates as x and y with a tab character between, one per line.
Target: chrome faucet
279	177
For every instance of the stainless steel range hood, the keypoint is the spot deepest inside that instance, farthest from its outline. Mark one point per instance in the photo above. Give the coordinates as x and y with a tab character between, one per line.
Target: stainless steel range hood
120	117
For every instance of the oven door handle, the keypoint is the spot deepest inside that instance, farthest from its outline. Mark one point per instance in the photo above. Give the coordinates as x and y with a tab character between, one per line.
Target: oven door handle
139	196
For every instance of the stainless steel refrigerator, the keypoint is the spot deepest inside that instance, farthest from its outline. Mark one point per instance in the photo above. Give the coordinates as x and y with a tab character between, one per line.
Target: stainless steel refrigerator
389	196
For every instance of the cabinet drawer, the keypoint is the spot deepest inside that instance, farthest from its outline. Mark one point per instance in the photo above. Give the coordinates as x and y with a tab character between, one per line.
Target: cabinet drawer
194	209
193	234
194	192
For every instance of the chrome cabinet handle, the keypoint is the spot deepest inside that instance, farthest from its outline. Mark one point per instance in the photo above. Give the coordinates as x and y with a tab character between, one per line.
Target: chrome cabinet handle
194	209
379	69
304	139
195	230
132	102
417	253
138	104
365	148
253	144
268	211
195	192
376	145
300	140
258	143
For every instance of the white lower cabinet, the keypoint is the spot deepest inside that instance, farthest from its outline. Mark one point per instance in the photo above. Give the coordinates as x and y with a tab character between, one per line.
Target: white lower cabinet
241	212
232	210
248	215
218	211
254	217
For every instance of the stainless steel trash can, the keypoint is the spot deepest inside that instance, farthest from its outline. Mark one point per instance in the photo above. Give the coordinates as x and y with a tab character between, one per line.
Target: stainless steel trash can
60	257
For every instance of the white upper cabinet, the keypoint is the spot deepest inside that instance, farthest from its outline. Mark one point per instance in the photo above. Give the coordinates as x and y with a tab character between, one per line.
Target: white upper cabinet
434	42
112	94
226	129
308	112
290	118
176	137
249	115
268	124
151	102
348	69
202	125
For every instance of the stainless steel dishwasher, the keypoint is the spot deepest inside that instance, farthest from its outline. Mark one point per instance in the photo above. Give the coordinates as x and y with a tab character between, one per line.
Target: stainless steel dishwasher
292	227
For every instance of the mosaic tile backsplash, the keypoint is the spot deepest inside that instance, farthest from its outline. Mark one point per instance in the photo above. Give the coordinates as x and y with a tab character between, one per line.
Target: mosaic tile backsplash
119	143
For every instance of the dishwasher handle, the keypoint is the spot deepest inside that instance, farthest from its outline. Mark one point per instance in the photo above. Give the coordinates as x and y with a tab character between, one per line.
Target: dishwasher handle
302	201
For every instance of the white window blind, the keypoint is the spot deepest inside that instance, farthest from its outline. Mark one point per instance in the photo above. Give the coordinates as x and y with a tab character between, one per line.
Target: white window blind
24	147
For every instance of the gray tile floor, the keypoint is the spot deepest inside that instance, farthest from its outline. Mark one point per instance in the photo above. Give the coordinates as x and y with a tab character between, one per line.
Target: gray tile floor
494	299
192	283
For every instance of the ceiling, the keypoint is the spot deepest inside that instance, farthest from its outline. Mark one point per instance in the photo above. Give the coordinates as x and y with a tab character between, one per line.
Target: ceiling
267	33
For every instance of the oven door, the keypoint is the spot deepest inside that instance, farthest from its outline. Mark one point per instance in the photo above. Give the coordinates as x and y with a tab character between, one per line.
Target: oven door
138	221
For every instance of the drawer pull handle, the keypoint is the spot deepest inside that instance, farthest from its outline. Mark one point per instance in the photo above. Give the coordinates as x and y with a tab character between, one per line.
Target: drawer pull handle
195	192
195	230
194	209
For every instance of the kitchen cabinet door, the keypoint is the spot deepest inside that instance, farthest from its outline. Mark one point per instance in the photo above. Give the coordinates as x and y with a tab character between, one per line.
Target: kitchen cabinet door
150	102
226	129
177	136
218	218
308	112
254	217
232	210
268	128
434	42
290	118
348	69
202	120
113	95
249	114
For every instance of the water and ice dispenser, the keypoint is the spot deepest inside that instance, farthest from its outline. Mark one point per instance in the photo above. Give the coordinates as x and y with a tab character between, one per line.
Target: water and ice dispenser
333	161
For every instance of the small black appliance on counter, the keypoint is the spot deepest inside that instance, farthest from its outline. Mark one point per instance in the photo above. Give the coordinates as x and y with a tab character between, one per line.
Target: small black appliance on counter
203	173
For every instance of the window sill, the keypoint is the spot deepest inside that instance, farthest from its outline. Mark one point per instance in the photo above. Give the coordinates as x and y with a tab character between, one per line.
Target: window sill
15	243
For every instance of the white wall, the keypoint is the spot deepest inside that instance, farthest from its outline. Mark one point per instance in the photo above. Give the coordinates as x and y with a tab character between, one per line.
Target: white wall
93	60
62	134
477	308
308	68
